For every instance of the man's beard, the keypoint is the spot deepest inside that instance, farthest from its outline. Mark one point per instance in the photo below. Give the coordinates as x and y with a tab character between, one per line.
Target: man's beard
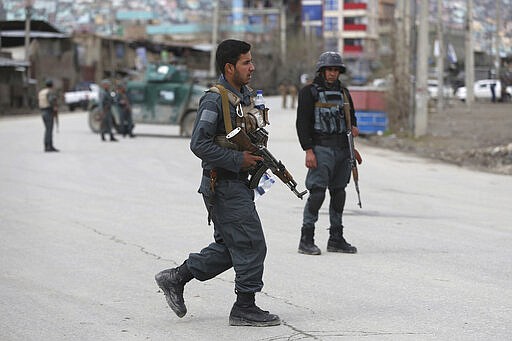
239	80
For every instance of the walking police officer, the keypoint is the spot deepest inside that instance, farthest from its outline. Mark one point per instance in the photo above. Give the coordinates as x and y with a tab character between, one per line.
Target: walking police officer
47	100
321	128
239	241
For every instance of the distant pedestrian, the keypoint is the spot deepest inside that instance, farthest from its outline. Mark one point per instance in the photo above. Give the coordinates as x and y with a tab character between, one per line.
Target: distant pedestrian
47	99
292	90
492	75
283	91
125	111
105	107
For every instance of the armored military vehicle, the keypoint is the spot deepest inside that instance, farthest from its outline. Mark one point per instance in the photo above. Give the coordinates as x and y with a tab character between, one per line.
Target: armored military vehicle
166	95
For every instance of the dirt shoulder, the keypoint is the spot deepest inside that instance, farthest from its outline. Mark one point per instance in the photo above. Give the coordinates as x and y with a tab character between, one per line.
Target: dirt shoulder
480	138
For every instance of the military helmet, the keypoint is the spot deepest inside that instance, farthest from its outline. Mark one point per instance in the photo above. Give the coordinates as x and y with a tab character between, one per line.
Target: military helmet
49	83
330	59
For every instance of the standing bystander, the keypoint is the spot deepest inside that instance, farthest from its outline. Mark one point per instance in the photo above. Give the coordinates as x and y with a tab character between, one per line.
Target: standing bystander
48	103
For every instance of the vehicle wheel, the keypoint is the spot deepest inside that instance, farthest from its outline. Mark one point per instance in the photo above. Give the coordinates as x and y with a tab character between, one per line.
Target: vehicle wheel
187	124
95	120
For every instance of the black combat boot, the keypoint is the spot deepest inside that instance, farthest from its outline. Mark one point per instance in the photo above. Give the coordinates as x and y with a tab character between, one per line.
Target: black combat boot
337	243
112	138
246	313
103	137
307	242
50	148
172	282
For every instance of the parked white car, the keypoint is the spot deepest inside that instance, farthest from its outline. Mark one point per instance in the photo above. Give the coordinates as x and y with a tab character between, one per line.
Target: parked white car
81	95
482	90
432	87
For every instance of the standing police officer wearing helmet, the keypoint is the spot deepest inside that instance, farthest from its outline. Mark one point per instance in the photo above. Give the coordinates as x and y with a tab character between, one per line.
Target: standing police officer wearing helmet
47	100
321	128
239	241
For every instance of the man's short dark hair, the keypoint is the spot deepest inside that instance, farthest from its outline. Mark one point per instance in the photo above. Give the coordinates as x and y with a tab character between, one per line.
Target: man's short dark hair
229	51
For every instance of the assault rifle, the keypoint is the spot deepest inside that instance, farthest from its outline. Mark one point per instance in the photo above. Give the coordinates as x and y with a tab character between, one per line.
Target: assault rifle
354	154
240	138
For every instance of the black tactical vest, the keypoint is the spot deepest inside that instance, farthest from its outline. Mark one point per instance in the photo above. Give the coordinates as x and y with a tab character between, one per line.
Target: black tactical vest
329	115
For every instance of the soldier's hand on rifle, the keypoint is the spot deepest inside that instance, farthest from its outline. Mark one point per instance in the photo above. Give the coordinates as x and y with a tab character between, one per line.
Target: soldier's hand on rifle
250	160
355	131
310	159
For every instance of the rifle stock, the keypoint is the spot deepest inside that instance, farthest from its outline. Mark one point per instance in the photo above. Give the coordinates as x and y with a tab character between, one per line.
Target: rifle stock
240	138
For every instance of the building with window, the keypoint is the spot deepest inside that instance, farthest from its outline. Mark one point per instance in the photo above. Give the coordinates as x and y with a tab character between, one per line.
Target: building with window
350	27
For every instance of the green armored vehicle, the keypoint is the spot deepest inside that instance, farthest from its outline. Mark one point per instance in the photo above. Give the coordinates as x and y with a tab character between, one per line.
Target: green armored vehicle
166	95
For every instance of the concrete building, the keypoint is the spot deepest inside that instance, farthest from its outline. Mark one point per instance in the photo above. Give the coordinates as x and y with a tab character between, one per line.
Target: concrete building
351	27
51	55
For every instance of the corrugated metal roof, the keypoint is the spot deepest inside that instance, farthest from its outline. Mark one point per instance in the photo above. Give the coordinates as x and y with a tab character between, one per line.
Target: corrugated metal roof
33	34
7	62
36	25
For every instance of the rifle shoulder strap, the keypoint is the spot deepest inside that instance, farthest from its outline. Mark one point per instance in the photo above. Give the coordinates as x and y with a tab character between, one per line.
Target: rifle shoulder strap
225	107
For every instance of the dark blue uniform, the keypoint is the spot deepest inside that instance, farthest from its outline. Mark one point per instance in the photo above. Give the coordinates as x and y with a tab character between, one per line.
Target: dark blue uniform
239	239
105	107
321	126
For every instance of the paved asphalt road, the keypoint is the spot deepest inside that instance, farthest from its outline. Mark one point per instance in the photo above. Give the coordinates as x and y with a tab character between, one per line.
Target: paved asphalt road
84	231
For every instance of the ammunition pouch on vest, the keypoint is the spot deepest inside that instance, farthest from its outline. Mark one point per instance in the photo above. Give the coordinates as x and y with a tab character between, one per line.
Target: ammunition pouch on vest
248	117
329	116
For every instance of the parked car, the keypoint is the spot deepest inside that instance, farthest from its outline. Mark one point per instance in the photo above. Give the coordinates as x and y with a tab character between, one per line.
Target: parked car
81	95
432	87
482	90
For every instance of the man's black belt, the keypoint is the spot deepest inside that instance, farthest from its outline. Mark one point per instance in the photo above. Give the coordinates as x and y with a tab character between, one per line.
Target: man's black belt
224	174
330	140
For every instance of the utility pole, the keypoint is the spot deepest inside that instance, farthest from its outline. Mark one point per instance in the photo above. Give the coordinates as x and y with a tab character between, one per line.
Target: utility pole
469	61
440	57
421	112
411	40
215	32
283	31
111	44
400	50
401	75
28	18
497	61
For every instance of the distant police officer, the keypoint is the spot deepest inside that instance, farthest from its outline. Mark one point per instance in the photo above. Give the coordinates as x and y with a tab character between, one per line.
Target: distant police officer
125	111
47	100
238	234
321	128
105	107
